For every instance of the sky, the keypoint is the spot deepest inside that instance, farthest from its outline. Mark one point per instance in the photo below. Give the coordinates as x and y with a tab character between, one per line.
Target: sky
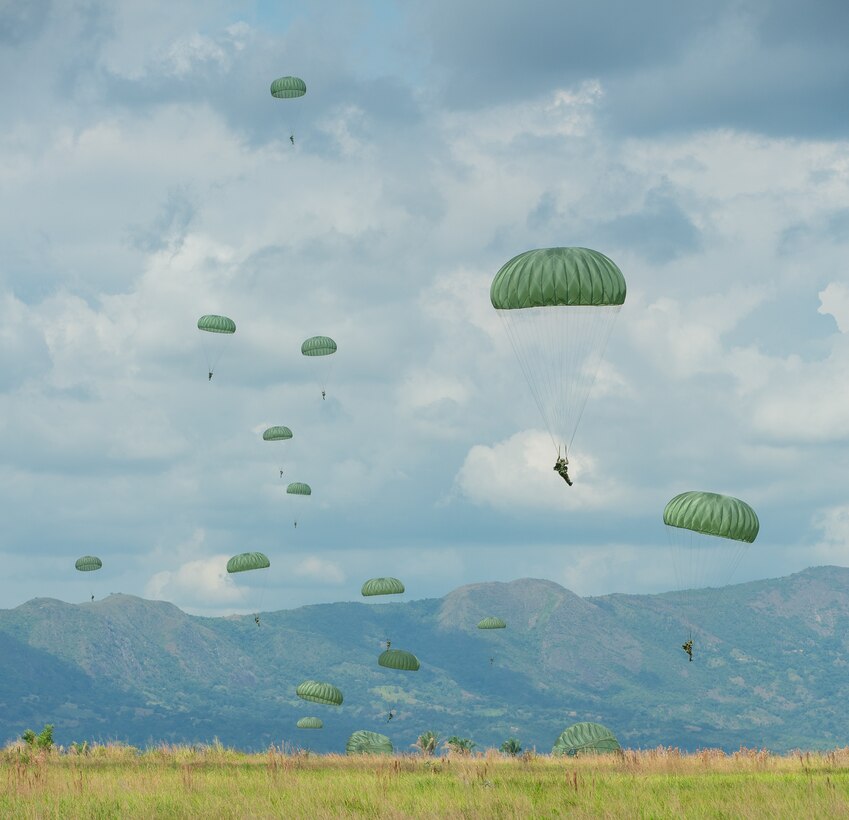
147	178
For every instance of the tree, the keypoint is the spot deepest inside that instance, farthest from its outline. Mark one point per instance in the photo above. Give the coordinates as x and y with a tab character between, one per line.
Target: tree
511	746
460	745
426	743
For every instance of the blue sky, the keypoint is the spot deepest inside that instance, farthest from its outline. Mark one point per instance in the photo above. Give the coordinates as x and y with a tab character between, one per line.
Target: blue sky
146	178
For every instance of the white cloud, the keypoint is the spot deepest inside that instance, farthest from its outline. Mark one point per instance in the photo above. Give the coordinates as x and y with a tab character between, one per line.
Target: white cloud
834	301
202	582
320	570
517	474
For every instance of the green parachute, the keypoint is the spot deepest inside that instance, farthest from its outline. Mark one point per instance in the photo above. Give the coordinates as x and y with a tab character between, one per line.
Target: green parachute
247	561
558	306
399	659
288	88
310	723
492	623
586	738
88	563
709	534
221	326
722	516
319	692
321	348
382	586
368	743
277	434
298	489
318	346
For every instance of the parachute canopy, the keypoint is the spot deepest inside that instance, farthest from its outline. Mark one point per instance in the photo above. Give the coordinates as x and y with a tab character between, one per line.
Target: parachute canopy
382	586
310	723
247	561
399	659
299	488
368	743
551	277
318	346
287	88
558	306
216	324
319	692
586	738
713	514
277	434
492	623
88	563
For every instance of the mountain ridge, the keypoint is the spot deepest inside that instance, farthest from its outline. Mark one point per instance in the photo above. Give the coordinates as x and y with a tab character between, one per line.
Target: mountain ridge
770	669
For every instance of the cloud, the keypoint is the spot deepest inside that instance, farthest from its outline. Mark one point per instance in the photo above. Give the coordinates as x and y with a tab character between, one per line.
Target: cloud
203	582
320	570
516	474
834	301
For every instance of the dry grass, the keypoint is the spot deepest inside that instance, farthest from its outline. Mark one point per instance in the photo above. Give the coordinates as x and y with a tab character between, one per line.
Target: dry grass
173	781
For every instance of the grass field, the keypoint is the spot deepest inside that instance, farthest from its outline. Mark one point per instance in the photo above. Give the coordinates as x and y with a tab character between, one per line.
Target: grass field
212	782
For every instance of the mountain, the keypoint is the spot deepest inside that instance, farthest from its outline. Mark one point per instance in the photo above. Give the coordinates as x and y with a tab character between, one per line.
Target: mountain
771	668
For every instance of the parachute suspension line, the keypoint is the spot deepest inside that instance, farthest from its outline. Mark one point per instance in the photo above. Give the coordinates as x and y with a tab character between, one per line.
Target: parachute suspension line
213	349
559	350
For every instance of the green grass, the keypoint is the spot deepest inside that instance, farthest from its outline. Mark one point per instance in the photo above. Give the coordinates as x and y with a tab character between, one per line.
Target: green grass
120	782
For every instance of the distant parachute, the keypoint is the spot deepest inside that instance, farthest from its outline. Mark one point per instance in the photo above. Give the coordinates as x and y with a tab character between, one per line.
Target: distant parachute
492	623
709	534
298	488
318	346
88	563
399	659
277	434
368	743
319	692
558	306
248	561
220	325
288	88
321	347
586	738
310	723
382	586
216	324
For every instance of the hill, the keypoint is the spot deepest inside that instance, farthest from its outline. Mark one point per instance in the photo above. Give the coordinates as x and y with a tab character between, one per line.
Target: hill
770	668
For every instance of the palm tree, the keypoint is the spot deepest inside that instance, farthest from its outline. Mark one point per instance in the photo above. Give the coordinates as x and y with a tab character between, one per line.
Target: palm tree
426	743
511	746
461	745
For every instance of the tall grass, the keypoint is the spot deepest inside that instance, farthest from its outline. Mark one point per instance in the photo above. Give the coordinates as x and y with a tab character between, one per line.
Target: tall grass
213	781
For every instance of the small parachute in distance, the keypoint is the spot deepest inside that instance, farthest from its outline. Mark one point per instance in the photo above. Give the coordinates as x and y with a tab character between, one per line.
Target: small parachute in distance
319	692
382	586
299	488
492	623
88	563
399	659
247	561
212	323
321	347
368	743
288	88
310	723
586	738
277	434
318	346
220	325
